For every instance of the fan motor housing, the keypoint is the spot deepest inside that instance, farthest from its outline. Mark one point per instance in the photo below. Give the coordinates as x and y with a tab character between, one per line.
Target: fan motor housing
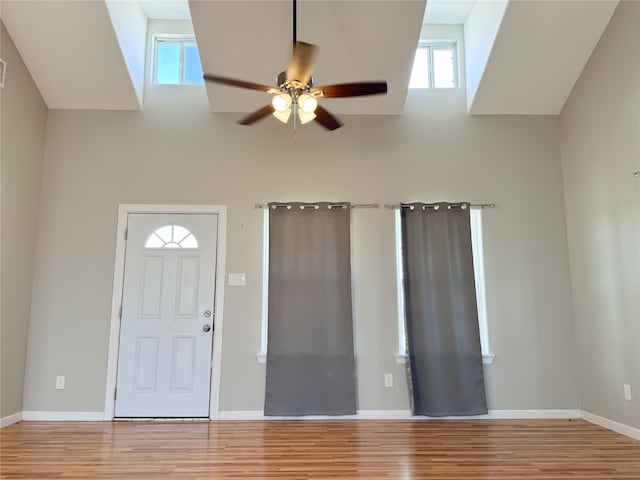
281	81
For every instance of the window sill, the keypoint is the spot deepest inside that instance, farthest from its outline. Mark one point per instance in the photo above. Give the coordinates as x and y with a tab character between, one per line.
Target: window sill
401	358
487	359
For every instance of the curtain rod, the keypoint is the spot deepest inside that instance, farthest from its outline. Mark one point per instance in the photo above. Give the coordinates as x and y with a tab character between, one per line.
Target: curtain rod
337	204
473	205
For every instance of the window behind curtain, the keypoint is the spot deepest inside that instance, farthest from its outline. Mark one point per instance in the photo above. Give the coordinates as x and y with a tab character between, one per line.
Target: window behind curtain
478	267
310	358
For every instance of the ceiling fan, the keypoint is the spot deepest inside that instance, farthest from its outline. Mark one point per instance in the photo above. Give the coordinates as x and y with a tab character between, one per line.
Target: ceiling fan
294	90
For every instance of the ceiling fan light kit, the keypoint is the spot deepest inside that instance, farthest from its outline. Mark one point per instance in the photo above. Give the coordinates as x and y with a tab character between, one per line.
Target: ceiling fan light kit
295	91
282	107
306	106
307	103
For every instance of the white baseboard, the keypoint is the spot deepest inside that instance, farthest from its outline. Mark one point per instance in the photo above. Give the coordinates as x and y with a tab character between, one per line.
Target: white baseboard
611	425
37	416
384	415
406	415
240	415
361	415
546	414
259	415
10	419
30	416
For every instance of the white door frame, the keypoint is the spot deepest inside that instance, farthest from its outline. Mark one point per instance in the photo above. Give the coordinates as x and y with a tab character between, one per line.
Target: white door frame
118	279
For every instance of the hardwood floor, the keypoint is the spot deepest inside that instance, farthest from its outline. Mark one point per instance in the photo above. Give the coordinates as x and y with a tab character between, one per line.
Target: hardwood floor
374	450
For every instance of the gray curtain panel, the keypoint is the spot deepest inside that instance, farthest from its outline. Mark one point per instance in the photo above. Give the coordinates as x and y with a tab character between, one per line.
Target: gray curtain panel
446	372
310	358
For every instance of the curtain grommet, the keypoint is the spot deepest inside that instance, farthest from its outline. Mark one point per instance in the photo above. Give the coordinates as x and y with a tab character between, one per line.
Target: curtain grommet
436	207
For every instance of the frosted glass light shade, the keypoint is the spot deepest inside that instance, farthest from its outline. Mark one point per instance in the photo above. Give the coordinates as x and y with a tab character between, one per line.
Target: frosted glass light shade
304	116
283	116
281	102
307	103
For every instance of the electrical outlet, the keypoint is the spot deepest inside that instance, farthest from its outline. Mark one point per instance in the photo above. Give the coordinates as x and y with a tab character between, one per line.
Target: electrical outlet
388	380
627	392
60	382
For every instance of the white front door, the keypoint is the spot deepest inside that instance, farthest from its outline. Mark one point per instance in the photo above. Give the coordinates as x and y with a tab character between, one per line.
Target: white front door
166	331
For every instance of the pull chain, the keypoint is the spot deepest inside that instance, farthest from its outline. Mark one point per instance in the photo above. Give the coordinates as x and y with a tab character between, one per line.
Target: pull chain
295	116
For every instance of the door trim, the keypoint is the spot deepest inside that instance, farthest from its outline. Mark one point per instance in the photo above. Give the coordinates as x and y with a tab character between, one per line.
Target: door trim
118	281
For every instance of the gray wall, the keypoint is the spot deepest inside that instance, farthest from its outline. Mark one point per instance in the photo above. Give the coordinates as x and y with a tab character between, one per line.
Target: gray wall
24	117
600	127
176	151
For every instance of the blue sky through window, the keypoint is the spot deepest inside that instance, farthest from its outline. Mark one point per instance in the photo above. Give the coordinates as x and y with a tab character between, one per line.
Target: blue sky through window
168	67
192	67
178	61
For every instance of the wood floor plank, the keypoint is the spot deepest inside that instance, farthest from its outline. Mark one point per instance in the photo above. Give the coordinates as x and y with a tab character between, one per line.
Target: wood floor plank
318	450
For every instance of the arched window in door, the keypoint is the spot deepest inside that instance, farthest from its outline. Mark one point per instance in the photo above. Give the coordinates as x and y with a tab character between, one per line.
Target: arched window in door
171	236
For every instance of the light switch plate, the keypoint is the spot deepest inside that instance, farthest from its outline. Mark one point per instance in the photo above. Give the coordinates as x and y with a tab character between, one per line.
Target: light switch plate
237	279
3	70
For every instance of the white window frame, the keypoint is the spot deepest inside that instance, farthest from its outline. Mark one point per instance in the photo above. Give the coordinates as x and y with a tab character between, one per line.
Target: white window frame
184	41
478	267
261	356
401	356
430	45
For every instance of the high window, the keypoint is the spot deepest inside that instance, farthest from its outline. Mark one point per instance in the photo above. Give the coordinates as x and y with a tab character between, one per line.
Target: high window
435	65
176	60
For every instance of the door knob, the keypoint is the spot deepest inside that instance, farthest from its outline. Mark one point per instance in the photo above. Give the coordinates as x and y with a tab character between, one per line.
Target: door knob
206	328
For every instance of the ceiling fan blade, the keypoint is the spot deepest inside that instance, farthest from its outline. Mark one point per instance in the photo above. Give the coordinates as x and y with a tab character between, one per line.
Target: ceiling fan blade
232	82
257	115
350	89
326	119
301	64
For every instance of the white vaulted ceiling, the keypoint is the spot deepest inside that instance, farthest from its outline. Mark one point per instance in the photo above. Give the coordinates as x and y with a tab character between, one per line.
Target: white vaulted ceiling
357	40
73	53
522	56
538	54
166	9
448	11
